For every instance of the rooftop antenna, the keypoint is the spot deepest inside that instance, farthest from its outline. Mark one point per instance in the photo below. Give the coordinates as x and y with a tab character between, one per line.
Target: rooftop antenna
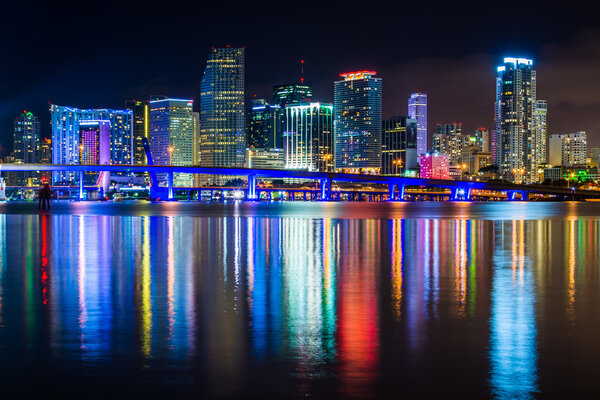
302	71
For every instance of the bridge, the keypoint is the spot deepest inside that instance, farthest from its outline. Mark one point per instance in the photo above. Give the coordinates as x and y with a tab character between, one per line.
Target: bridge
396	185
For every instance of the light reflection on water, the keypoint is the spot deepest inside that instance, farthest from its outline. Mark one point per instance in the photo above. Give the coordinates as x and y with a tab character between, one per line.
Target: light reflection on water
251	306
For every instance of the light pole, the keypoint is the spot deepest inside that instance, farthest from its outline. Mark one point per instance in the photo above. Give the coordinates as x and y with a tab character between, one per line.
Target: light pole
397	162
171	150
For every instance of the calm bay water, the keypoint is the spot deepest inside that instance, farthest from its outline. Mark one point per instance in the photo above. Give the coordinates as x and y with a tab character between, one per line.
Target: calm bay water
313	300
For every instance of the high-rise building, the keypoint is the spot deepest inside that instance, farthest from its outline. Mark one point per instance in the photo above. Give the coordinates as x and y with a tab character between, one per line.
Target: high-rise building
357	122
541	118
450	140
417	109
595	155
26	138
222	130
292	93
568	149
94	146
398	145
263	129
65	135
141	128
434	166
516	139
308	137
172	136
196	138
481	139
26	144
45	158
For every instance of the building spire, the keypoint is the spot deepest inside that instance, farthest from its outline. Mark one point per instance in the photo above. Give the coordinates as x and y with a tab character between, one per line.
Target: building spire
302	71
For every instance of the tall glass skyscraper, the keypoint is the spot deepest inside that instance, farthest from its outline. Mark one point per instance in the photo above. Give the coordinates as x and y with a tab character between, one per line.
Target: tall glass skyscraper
292	93
515	120
94	146
26	138
65	135
222	133
263	128
172	135
26	144
308	137
399	145
141	128
541	134
417	109
357	122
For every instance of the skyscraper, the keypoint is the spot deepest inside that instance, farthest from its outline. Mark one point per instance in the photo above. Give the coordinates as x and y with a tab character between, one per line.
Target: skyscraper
141	128
357	122
450	140
482	139
222	133
308	137
94	145
417	109
263	129
541	118
516	139
399	145
292	93
568	149
172	136
26	144
65	135
26	138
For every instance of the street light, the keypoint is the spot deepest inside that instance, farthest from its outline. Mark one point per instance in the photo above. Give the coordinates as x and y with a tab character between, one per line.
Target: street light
397	162
171	150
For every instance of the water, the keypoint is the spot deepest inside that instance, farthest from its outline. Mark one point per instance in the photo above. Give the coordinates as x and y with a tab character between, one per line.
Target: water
300	300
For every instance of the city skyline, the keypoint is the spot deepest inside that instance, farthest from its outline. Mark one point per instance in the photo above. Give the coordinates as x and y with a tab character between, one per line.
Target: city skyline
453	70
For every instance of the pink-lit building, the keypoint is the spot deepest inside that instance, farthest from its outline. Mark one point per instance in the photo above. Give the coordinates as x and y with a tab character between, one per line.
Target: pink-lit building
434	166
94	142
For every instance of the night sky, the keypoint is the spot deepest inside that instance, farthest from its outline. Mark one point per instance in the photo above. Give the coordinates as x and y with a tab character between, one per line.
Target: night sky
97	55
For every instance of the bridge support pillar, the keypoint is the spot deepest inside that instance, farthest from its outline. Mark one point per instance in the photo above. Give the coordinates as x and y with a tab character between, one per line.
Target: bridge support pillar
325	189
251	187
401	192
171	193
524	195
457	192
80	185
392	190
511	195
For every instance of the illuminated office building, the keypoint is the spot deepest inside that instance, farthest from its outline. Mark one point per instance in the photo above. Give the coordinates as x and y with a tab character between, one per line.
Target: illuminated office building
172	136
222	130
357	122
308	137
94	146
65	136
417	109
541	123
568	149
515	116
26	144
482	139
263	129
141	128
434	166
264	158
399	145
26	138
46	158
292	93
450	140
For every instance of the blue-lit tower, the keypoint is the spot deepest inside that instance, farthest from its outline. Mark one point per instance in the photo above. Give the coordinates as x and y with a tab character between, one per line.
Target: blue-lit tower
417	109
